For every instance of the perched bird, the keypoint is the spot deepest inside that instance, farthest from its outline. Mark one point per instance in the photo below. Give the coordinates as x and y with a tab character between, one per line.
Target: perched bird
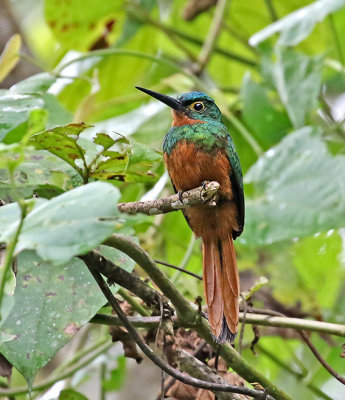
198	148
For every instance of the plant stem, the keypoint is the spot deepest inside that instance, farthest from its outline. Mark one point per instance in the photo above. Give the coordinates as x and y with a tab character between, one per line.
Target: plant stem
212	35
271	10
131	300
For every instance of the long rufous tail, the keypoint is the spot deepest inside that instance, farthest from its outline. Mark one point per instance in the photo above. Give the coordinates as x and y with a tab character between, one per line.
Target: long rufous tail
221	286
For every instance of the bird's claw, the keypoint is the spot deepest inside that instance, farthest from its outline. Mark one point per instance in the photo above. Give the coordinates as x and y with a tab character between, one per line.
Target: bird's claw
180	193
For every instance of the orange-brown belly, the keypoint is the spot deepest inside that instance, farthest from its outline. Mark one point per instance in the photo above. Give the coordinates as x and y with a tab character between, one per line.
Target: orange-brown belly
188	168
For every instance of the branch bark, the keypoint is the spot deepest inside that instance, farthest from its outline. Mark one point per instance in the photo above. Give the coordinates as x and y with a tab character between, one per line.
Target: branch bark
200	195
116	274
199	370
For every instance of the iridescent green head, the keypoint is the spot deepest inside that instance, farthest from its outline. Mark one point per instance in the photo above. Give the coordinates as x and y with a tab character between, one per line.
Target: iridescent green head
193	106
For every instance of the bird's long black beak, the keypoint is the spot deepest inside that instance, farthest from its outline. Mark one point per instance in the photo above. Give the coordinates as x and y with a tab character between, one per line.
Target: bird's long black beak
169	101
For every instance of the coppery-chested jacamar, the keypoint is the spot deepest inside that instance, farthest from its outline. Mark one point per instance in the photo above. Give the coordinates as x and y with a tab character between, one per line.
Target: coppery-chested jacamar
199	148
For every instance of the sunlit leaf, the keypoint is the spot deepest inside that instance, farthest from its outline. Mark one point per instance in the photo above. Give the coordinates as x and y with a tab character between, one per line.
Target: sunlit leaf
10	56
80	24
267	120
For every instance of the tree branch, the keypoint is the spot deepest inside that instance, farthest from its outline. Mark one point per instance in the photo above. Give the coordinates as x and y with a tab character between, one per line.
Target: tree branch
199	370
160	362
189	316
200	195
116	274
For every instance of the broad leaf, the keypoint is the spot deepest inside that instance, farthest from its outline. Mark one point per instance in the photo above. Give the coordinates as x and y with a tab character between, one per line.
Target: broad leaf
51	304
297	79
269	121
300	190
296	26
79	24
70	224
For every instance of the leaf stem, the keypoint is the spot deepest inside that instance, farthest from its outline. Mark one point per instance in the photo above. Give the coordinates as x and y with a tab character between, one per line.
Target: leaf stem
271	10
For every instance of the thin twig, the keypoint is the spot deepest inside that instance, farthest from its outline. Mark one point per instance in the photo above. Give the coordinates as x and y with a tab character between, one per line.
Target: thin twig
179	269
298	328
160	362
320	358
199	195
271	10
212	36
287	368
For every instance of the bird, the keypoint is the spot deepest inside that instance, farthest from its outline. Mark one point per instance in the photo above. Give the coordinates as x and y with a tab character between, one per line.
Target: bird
198	148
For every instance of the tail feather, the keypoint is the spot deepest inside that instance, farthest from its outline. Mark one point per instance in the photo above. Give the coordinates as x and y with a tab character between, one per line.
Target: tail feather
221	284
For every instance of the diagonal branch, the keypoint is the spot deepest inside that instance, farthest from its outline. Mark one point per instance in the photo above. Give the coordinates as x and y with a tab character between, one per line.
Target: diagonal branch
160	362
189	316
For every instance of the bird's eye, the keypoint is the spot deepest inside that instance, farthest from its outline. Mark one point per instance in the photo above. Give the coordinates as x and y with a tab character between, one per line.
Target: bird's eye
198	106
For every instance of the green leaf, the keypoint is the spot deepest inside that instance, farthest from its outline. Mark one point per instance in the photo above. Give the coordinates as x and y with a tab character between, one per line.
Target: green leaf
117	376
79	24
51	304
71	394
132	25
297	79
41	173
101	157
266	119
70	224
15	110
62	141
38	83
296	26
10	55
299	190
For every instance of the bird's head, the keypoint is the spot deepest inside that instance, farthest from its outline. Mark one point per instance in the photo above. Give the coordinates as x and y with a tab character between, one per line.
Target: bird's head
190	108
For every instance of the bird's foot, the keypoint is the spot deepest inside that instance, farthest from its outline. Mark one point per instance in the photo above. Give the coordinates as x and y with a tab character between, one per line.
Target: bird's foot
180	193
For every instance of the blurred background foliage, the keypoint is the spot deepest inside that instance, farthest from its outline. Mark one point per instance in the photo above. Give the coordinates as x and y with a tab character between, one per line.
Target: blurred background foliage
277	73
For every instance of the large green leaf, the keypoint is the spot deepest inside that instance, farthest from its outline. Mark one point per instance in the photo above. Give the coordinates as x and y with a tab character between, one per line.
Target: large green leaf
70	224
297	79
269	121
80	23
296	26
300	190
51	304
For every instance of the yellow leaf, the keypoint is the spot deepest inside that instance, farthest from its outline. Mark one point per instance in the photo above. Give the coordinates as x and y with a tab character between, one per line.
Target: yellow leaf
10	56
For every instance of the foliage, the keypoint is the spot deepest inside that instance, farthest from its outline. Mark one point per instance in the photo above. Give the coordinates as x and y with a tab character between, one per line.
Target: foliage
76	139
